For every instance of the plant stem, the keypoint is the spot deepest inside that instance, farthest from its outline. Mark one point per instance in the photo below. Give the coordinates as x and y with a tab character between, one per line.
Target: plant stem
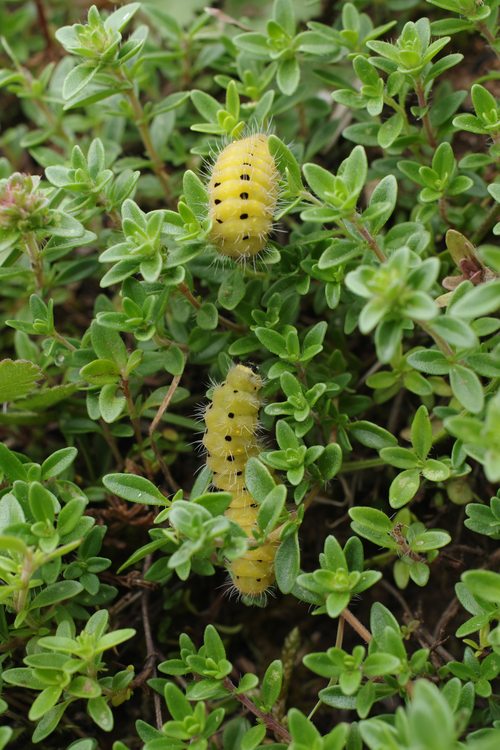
36	261
490	38
372	242
400	110
42	20
356	625
380	560
148	637
185	290
164	404
62	340
270	722
132	412
485	226
419	89
111	441
442	205
441	343
368	463
340	632
27	571
143	128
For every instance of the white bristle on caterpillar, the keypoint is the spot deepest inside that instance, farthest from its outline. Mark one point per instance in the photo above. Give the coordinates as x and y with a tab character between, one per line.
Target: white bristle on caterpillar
243	192
230	439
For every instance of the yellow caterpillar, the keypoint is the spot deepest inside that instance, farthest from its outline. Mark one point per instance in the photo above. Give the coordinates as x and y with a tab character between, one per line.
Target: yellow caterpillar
230	440
243	191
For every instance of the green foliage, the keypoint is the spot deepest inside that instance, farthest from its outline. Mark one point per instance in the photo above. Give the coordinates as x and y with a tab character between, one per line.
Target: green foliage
372	317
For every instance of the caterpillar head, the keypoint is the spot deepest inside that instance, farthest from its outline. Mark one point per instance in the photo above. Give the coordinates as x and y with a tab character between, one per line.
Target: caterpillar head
243	378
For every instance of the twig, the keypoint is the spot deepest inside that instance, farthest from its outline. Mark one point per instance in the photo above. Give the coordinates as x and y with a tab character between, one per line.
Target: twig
368	463
372	242
448	614
64	341
35	259
148	637
441	343
356	625
419	89
485	226
271	723
132	411
154	424
164	404
42	20
143	128
185	290
111	441
484	30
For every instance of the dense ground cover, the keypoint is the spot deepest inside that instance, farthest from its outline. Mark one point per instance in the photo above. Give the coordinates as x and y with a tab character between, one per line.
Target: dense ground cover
370	320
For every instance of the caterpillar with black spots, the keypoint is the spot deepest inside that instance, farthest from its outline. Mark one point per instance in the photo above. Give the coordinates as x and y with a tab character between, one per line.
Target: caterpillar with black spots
243	192
230	439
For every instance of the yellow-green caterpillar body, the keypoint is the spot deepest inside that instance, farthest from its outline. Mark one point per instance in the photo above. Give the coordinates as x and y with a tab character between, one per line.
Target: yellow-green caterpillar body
243	191
230	440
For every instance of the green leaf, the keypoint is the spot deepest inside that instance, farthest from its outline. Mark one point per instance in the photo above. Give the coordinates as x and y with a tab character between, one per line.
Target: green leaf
117	20
44	702
258	480
108	344
385	194
207	316
402	458
177	703
483	583
49	722
302	730
58	462
334	697
10	465
134	488
480	300
100	372
112	402
271	508
374	525
271	684
435	471
55	593
174	361
429	361
287	563
78	78
17	378
421	433
455	331
390	130
272	340
404	488
379	664
100	713
252	737
288	76
467	388
372	435
213	644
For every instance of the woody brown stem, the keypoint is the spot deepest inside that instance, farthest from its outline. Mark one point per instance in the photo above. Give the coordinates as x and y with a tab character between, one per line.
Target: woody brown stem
185	290
270	722
356	625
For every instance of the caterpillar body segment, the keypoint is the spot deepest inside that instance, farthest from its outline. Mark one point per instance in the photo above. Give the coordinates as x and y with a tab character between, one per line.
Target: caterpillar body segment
243	192
230	440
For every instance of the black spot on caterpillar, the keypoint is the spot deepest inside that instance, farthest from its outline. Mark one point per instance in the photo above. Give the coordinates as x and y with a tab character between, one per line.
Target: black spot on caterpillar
230	440
247	160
